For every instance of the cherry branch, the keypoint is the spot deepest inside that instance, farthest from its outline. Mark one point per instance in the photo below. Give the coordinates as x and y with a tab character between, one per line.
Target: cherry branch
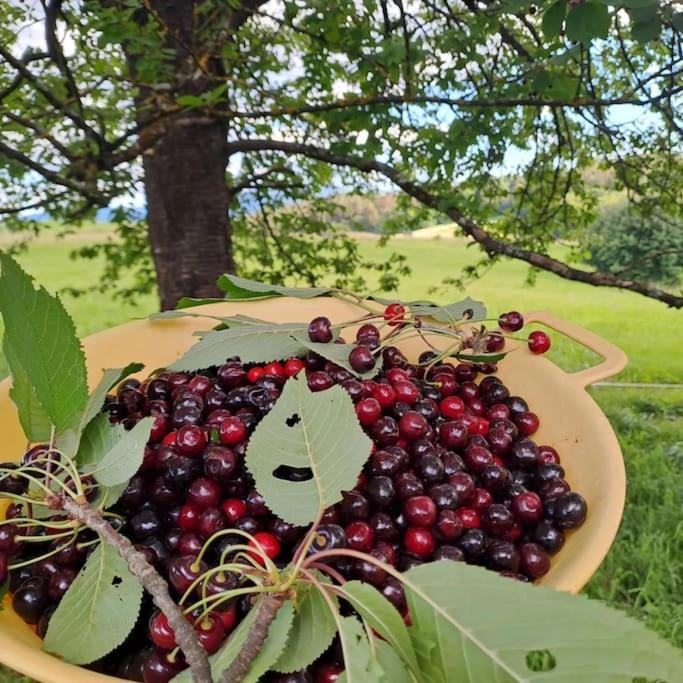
153	583
267	611
491	245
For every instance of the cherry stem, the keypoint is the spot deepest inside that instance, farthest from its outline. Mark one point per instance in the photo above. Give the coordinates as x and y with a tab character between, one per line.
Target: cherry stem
40	558
330	571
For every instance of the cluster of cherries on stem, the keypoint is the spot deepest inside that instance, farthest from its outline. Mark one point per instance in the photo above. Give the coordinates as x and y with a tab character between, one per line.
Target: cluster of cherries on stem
453	475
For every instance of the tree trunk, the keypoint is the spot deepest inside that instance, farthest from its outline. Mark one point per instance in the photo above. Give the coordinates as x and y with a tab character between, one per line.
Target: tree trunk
185	184
187	210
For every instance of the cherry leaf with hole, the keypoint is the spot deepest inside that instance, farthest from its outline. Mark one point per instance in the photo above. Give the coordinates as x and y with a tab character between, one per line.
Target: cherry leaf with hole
319	431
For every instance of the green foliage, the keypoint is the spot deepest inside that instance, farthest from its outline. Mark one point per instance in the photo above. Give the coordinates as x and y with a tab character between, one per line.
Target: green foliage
414	90
34	420
98	610
588	20
638	245
312	630
45	352
69	440
272	649
383	618
307	430
118	461
242	288
112	454
258	342
472	623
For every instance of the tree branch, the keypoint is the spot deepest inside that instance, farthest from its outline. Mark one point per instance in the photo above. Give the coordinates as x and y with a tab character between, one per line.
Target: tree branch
50	175
267	611
153	583
500	103
447	206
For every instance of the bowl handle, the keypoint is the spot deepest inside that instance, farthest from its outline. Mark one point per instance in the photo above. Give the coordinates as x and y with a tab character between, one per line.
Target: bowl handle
614	359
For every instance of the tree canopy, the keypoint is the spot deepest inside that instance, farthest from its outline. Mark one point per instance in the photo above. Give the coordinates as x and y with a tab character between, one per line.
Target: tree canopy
488	112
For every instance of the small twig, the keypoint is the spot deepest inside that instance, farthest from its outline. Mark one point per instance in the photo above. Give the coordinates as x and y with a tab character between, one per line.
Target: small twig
153	583
267	611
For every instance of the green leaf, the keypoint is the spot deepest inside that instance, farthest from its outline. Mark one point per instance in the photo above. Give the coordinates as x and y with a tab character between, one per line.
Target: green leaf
113	454
359	660
553	18
393	668
383	618
34	420
677	21
471	624
588	20
637	4
339	354
97	612
311	634
319	431
272	648
44	345
69	440
189	302
240	288
259	342
647	29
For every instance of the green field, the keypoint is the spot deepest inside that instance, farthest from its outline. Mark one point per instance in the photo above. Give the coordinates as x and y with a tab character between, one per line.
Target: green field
644	570
648	331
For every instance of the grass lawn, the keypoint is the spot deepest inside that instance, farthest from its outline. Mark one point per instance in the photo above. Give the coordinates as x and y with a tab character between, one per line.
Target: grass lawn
643	573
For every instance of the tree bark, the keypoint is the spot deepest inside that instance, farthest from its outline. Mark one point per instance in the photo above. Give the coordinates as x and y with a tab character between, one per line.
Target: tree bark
185	183
187	210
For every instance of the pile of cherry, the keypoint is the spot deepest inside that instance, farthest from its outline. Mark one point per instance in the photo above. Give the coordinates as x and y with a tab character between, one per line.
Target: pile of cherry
454	474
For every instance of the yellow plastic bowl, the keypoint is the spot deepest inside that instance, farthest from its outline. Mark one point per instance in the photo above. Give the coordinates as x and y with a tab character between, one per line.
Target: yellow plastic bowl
570	421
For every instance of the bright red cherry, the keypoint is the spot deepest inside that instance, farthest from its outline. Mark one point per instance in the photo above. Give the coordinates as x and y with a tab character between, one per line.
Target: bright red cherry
368	411
405	391
210	632
232	431
293	366
394	314
385	394
420	511
274	369
526	422
268	544
234	509
446	384
255	374
160	428
359	536
419	542
452	407
469	518
160	632
189	515
539	342
413	426
228	615
170	439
